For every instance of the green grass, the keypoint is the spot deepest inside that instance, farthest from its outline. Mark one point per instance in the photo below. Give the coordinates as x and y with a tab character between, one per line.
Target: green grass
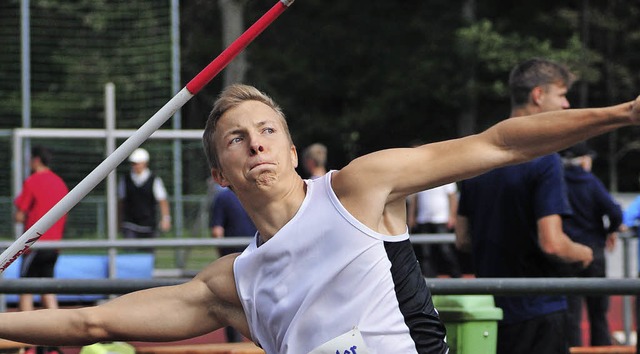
195	258
191	259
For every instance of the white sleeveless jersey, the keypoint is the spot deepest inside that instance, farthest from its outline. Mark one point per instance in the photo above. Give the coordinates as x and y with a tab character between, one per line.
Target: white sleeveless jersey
324	274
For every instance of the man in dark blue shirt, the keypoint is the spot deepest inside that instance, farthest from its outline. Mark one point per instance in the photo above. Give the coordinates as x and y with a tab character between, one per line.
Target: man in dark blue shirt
591	203
511	219
230	219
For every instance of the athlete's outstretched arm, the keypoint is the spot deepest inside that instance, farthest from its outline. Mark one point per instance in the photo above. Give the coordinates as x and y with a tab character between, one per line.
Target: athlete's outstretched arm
400	172
374	187
157	314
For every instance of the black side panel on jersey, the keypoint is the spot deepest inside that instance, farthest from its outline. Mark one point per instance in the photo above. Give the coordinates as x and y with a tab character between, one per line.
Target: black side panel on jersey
414	297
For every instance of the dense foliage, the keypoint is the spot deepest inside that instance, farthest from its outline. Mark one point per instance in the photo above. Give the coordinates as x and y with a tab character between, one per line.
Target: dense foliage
360	76
379	74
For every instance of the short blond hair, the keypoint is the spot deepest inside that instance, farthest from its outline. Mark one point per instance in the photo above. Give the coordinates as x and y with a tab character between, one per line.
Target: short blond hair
230	98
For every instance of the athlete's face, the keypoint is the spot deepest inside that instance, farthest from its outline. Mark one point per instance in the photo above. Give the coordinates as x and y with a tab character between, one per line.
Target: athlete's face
252	146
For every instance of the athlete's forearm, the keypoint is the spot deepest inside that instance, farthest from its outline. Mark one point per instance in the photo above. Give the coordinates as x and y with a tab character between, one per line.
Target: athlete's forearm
531	136
47	327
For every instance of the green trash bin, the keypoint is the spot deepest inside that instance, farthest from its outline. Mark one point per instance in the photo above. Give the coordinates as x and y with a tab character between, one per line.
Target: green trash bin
471	322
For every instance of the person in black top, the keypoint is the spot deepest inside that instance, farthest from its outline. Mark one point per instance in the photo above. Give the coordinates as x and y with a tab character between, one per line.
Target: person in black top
139	193
590	203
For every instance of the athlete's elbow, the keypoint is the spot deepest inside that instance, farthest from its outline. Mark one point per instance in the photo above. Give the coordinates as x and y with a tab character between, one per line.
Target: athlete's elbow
91	328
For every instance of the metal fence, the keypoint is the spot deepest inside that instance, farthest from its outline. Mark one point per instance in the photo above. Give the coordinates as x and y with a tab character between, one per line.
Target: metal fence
626	286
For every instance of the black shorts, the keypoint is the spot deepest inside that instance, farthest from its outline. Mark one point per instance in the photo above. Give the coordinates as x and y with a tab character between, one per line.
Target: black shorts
39	264
544	334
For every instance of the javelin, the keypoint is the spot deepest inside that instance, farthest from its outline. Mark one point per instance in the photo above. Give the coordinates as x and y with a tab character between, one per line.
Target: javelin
21	244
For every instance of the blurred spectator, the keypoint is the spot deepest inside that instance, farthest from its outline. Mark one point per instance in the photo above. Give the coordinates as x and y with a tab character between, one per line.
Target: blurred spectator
314	160
630	222
229	219
511	219
40	192
139	193
591	204
434	211
631	215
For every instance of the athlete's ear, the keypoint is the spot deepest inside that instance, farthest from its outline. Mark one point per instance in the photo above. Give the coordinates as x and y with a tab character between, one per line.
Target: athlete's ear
218	176
294	156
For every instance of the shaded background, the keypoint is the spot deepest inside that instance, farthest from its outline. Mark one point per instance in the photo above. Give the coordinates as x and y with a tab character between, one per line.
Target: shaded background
357	77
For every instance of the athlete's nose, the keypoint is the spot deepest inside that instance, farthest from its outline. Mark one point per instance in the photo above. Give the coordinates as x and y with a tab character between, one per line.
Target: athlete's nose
256	147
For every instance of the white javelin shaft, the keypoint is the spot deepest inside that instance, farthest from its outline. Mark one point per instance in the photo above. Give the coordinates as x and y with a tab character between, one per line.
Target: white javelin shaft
92	179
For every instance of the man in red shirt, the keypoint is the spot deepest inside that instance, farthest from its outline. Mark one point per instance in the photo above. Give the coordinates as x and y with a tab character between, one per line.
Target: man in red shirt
40	192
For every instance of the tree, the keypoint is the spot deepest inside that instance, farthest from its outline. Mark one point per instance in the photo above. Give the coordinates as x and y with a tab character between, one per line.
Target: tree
232	27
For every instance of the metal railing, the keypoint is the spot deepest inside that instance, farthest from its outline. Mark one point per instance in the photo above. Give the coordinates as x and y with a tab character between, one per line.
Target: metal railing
187	242
438	286
626	286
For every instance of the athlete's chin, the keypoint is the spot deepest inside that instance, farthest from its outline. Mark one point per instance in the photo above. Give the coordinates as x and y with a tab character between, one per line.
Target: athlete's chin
266	179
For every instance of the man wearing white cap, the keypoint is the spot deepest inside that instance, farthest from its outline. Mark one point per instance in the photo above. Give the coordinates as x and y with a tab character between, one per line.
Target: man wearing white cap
138	192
